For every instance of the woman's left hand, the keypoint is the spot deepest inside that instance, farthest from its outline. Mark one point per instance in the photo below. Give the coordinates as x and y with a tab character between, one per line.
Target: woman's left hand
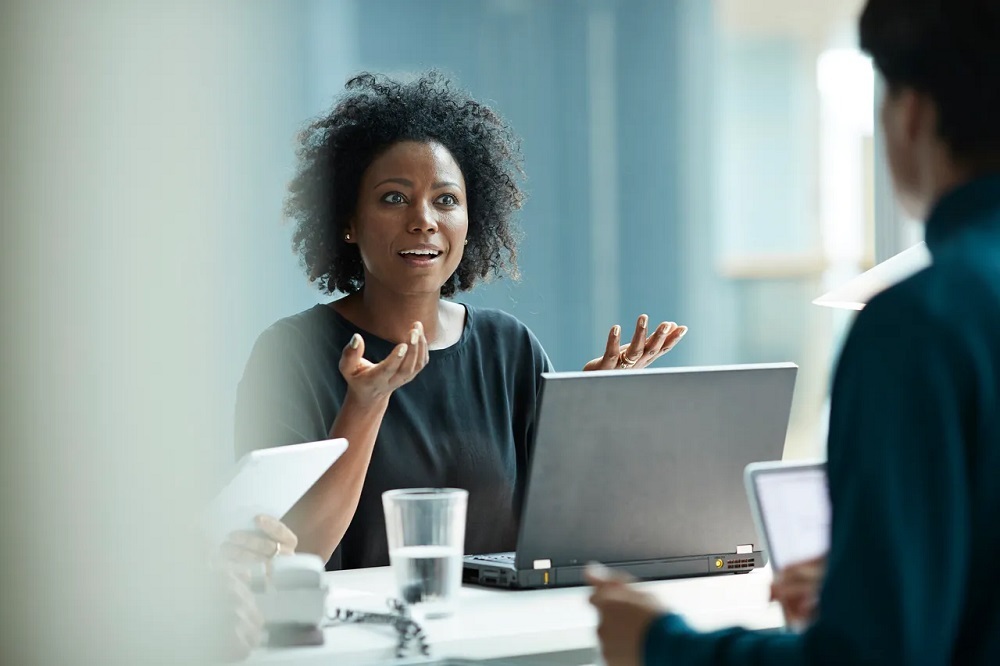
642	350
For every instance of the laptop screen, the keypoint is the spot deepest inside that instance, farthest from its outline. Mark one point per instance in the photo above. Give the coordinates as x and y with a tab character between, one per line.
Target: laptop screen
661	477
794	507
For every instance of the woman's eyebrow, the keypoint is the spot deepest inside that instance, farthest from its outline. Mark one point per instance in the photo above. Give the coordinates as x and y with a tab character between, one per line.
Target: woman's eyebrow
408	183
399	181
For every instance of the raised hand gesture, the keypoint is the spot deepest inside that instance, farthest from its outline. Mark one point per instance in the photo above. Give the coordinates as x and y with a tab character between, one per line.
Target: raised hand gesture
370	382
642	350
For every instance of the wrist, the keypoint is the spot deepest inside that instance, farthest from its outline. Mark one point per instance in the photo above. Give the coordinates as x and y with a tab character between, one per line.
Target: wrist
366	405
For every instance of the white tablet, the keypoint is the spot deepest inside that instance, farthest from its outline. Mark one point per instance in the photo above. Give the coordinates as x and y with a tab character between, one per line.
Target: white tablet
790	503
269	481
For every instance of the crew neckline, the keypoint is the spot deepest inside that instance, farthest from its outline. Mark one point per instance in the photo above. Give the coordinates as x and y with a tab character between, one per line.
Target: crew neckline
383	347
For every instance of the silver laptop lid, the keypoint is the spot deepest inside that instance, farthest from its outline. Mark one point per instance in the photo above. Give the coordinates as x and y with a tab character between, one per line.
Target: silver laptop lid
649	465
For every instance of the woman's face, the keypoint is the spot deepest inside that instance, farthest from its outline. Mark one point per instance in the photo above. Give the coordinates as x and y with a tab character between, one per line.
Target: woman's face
411	218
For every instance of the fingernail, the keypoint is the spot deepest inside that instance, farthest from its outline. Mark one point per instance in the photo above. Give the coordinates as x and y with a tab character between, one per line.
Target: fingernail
597	570
643	321
414	336
402	351
616	330
355	341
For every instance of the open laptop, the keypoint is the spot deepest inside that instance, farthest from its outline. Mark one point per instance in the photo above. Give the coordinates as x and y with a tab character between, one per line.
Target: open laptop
790	504
643	472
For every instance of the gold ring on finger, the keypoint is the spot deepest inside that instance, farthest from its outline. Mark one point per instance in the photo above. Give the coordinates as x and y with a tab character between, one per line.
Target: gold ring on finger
625	362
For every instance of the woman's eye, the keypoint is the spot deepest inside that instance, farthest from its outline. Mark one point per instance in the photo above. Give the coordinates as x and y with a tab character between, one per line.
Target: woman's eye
448	200
394	198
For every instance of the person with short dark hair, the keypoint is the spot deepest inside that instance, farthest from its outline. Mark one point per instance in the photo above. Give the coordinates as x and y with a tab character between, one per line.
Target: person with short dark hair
914	442
405	196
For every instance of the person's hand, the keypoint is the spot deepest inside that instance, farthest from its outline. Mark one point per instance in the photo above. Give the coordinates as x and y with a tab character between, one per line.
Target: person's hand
624	615
272	537
243	625
796	588
370	382
642	350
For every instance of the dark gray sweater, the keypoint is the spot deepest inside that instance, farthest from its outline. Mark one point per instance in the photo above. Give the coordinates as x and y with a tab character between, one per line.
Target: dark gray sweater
465	421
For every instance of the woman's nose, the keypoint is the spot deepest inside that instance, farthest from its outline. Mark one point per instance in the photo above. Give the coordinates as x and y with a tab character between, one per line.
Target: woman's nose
423	219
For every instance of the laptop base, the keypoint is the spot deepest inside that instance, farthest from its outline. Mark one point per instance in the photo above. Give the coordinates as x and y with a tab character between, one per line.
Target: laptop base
494	574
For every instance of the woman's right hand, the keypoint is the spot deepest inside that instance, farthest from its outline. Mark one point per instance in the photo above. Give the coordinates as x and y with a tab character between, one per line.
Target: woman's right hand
371	382
272	537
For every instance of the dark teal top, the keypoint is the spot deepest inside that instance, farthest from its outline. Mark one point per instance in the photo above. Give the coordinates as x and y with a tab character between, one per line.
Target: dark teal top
914	456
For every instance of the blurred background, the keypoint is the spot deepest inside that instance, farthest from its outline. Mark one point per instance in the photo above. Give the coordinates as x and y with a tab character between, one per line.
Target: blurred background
709	162
706	162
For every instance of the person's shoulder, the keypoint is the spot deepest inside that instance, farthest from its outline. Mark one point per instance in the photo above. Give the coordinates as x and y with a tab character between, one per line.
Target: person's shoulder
312	317
950	292
495	320
302	328
307	322
911	302
503	330
940	310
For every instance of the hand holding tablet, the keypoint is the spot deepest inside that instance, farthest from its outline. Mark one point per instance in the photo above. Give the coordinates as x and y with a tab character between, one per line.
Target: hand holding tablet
268	482
791	508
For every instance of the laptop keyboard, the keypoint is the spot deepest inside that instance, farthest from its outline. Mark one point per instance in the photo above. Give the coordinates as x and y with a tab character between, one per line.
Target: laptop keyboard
506	558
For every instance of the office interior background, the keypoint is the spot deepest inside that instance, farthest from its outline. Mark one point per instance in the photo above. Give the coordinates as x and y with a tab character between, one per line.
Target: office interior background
709	162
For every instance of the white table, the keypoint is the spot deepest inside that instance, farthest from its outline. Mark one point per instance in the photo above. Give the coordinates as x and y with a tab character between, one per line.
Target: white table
492	624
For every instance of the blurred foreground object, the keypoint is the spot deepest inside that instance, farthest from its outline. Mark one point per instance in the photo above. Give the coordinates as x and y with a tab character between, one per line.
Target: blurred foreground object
293	600
856	293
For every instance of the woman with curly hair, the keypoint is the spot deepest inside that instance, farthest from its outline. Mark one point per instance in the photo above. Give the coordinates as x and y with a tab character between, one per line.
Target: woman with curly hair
405	195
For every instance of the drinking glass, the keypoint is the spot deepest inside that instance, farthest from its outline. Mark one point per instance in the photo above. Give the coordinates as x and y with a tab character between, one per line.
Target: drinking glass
425	528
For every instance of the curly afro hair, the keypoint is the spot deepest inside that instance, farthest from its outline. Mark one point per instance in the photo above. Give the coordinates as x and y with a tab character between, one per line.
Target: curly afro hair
375	113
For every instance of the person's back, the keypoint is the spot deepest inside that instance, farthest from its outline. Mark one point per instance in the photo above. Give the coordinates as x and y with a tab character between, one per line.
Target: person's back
914	452
941	64
963	288
974	263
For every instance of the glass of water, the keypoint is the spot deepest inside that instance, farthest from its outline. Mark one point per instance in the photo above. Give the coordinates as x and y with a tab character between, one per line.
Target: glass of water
426	532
